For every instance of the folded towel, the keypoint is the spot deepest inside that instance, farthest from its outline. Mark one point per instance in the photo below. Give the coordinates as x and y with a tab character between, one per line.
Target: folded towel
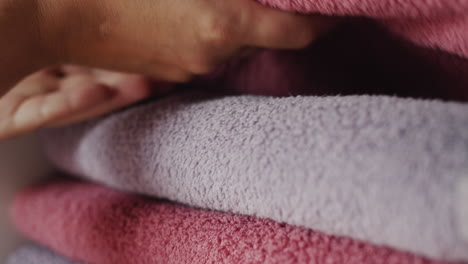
97	225
358	57
410	48
378	169
35	254
439	23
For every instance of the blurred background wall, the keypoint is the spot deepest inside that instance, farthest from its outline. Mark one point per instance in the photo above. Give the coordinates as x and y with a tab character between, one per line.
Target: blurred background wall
21	163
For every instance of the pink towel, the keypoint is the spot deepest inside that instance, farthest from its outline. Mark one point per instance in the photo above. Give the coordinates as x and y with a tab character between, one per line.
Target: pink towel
93	224
378	169
414	48
436	23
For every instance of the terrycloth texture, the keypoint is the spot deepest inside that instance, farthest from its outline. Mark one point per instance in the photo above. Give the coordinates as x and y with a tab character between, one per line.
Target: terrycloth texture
359	57
463	206
34	254
98	225
405	47
378	169
373	168
435	23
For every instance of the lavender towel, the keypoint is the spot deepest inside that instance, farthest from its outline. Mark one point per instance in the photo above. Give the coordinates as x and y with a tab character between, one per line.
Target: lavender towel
380	169
34	254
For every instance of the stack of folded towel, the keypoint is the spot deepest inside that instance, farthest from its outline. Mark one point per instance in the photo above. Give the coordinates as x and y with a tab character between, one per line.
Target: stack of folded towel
351	179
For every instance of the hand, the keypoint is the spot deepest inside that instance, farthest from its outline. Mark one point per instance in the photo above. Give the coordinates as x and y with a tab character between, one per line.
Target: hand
69	94
169	40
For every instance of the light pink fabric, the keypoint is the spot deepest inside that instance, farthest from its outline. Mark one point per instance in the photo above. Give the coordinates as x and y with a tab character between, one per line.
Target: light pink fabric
416	48
411	48
97	225
361	56
434	23
377	169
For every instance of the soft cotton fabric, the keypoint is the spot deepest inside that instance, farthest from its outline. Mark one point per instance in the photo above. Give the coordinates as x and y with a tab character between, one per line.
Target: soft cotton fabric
359	57
439	24
379	169
97	225
35	254
409	48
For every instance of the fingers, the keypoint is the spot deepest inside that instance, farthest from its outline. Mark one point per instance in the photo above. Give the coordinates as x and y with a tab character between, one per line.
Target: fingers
148	37
159	71
274	29
70	94
28	113
253	27
74	69
127	89
168	73
38	83
47	78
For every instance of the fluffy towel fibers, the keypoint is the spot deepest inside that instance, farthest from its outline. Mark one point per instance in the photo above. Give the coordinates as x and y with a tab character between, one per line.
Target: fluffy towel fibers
377	169
97	225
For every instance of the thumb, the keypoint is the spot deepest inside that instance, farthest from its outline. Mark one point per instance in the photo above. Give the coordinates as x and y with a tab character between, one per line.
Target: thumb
270	28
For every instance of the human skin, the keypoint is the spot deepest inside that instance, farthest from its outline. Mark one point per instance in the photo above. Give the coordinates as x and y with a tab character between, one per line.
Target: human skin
167	40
